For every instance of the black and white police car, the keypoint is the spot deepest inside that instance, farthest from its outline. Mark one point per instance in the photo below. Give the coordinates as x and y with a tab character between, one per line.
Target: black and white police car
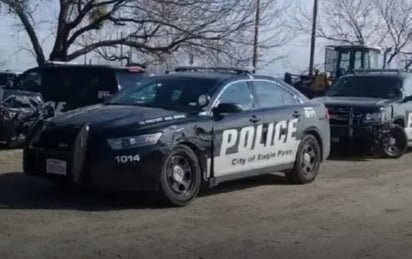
178	132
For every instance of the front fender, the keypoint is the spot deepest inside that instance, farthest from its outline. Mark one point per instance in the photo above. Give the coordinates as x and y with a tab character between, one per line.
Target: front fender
199	137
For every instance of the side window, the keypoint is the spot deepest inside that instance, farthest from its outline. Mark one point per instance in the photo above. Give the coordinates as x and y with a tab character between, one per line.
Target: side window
94	84
238	93
288	98
271	95
87	86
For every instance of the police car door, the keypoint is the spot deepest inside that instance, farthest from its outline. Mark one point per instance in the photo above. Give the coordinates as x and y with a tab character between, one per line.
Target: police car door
283	125
234	133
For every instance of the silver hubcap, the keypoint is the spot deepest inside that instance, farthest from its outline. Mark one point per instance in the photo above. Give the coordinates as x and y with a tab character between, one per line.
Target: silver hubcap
308	160
178	174
391	146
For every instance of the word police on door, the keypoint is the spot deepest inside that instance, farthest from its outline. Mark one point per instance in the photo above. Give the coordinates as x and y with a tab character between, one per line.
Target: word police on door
253	137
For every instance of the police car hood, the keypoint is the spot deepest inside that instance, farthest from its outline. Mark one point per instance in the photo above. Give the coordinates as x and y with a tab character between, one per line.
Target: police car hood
363	102
116	116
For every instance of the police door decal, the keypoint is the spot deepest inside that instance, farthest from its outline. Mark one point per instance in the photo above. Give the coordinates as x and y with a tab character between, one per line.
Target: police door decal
256	147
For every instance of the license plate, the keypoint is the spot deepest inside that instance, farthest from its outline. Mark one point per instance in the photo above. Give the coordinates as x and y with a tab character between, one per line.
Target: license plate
56	167
335	140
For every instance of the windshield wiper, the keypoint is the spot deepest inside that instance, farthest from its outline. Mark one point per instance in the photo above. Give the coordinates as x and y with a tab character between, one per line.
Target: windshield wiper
164	107
114	103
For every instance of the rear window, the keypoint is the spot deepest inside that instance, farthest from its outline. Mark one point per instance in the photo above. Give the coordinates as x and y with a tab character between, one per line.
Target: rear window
79	86
128	79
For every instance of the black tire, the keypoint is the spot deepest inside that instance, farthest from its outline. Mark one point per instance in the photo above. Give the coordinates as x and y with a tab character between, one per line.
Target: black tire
398	144
308	160
181	177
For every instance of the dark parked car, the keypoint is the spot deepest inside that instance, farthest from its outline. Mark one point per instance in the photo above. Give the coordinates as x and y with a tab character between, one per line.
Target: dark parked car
72	86
17	116
177	132
372	108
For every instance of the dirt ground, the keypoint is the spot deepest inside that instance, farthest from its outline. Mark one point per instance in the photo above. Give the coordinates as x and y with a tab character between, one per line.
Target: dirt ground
355	209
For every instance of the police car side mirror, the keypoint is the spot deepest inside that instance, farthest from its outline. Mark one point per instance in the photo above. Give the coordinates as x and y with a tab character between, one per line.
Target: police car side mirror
225	108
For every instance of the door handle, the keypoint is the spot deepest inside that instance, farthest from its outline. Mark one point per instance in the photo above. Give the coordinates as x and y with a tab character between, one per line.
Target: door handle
296	114
255	119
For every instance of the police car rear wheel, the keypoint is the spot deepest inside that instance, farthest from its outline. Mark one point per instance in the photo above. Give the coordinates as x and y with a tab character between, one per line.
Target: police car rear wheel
307	162
181	177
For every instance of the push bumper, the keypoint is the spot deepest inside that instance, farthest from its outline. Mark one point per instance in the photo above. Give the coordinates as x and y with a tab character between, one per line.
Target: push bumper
363	133
97	172
97	166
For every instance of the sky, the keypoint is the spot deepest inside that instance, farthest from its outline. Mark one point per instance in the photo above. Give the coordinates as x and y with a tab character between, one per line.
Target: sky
15	46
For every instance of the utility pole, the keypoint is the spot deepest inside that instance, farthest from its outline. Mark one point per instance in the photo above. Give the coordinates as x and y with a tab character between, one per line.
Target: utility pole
313	40
256	40
121	50
191	59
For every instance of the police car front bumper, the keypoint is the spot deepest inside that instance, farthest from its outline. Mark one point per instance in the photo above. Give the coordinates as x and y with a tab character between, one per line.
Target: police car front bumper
97	166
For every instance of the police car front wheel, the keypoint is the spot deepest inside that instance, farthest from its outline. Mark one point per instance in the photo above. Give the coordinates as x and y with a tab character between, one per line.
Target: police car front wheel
181	177
307	162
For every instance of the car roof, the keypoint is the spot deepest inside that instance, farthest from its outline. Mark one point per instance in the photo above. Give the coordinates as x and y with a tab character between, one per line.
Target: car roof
219	77
92	66
8	72
401	75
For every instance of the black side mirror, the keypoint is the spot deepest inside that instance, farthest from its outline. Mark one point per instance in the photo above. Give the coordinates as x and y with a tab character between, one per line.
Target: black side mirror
225	108
407	99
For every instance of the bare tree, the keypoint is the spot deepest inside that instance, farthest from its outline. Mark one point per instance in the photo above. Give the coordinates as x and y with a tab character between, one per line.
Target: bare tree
235	47
153	28
344	21
383	23
397	30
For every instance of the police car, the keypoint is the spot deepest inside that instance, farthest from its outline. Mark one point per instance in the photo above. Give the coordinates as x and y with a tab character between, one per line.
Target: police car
178	132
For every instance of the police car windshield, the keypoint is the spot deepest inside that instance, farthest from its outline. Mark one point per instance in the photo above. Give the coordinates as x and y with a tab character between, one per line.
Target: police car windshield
182	94
128	79
385	87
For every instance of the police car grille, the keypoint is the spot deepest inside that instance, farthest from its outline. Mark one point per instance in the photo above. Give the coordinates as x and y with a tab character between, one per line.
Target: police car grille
342	116
57	137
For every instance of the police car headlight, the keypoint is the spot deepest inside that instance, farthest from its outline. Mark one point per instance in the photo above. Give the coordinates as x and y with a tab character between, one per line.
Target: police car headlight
133	142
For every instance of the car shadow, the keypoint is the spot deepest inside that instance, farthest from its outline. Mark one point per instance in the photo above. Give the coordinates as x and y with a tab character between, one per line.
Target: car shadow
18	191
350	158
348	154
10	148
247	183
355	156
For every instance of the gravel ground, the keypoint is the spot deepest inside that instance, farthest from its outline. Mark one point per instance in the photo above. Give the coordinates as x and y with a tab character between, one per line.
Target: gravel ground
356	209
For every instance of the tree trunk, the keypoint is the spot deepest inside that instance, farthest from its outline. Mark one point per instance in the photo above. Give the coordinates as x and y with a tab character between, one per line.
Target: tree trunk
59	55
38	50
60	48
